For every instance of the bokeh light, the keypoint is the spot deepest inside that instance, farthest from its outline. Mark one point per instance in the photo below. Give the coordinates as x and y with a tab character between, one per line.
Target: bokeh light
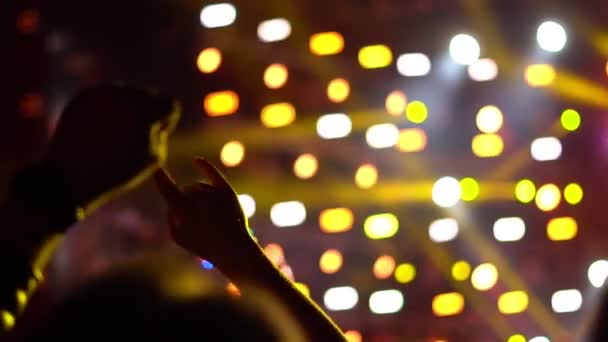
233	290
487	145
461	270
232	153
247	204
443	230
446	192
340	298
381	226
330	261
274	252
483	70
336	220
598	272
384	266
338	90
551	36
570	120
484	277
366	176
416	112
548	197
540	75
525	191
516	338
405	273
218	15
413	64
448	304
546	148
274	30
288	214
569	300
386	301
411	140
326	43
469	189
464	49
334	126
221	103
508	229
513	302
375	56
209	60
573	193
489	119
395	102
562	228
382	135
353	336
278	115
275	76
305	166
539	339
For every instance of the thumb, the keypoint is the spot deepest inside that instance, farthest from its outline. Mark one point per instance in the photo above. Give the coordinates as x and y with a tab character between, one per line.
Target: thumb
214	176
167	187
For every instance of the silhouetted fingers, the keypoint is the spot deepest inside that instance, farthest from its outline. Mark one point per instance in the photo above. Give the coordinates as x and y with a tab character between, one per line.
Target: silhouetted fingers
212	174
167	187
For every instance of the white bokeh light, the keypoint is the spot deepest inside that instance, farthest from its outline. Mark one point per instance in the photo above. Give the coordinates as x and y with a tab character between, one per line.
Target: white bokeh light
413	64
274	30
551	36
247	204
382	135
546	148
509	229
386	301
598	272
446	192
483	70
340	298
218	15
443	230
566	300
464	49
288	214
334	126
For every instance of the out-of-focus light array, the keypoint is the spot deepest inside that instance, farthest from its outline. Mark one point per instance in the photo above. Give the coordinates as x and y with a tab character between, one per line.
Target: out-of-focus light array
278	115
597	273
247	204
384	266
340	298
395	103
443	230
508	229
221	103
570	120
461	270
464	49
487	145
525	191
548	197
469	189
288	214
562	228
551	36
405	273
305	166
382	135
366	176
338	90
334	126
275	76
336	220
513	302
274	30
539	75
448	304
546	148
573	193
386	301
381	226
330	261
411	140
326	43
483	70
416	112
232	153
218	15
484	277
516	338
489	119
209	60
446	192
569	300
413	64
375	56
353	336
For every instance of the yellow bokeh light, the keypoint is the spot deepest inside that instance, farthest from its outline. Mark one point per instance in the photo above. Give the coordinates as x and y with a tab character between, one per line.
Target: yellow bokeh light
232	153
405	273
573	193
221	103
326	43
330	261
489	119
305	166
8	320
469	189
487	145
278	115
353	336
525	191
233	290
411	140
336	220
513	302
381	226
375	56
562	228
448	304
275	253
275	76
461	270
570	120
303	288
366	176
384	267
209	60
416	112
517	338
548	197
540	75
484	277
395	103
338	90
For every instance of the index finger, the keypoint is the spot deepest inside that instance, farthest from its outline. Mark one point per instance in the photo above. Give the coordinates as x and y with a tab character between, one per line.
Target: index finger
167	187
214	176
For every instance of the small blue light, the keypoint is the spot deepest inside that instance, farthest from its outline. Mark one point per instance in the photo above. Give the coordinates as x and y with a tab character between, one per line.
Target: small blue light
206	264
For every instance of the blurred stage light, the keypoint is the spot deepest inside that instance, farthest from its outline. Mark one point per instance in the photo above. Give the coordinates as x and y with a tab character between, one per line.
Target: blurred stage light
340	298
209	60
513	302
517	338
302	288
405	273
386	301
551	36
275	76
597	273
247	204
233	290
566	300
221	103
395	103
469	189
448	304
540	75
274	30
353	336
411	140
461	270
382	135
375	56
381	226
548	197
333	126
539	339
573	193
525	191
413	64
508	229
416	112
326	43
484	277
443	230
366	176
206	265
384	266
330	261
278	115
336	220
274	252
483	70
487	145
570	120
288	214
489	119
218	15
232	153
546	148
338	90
446	192
464	49
305	166
562	228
